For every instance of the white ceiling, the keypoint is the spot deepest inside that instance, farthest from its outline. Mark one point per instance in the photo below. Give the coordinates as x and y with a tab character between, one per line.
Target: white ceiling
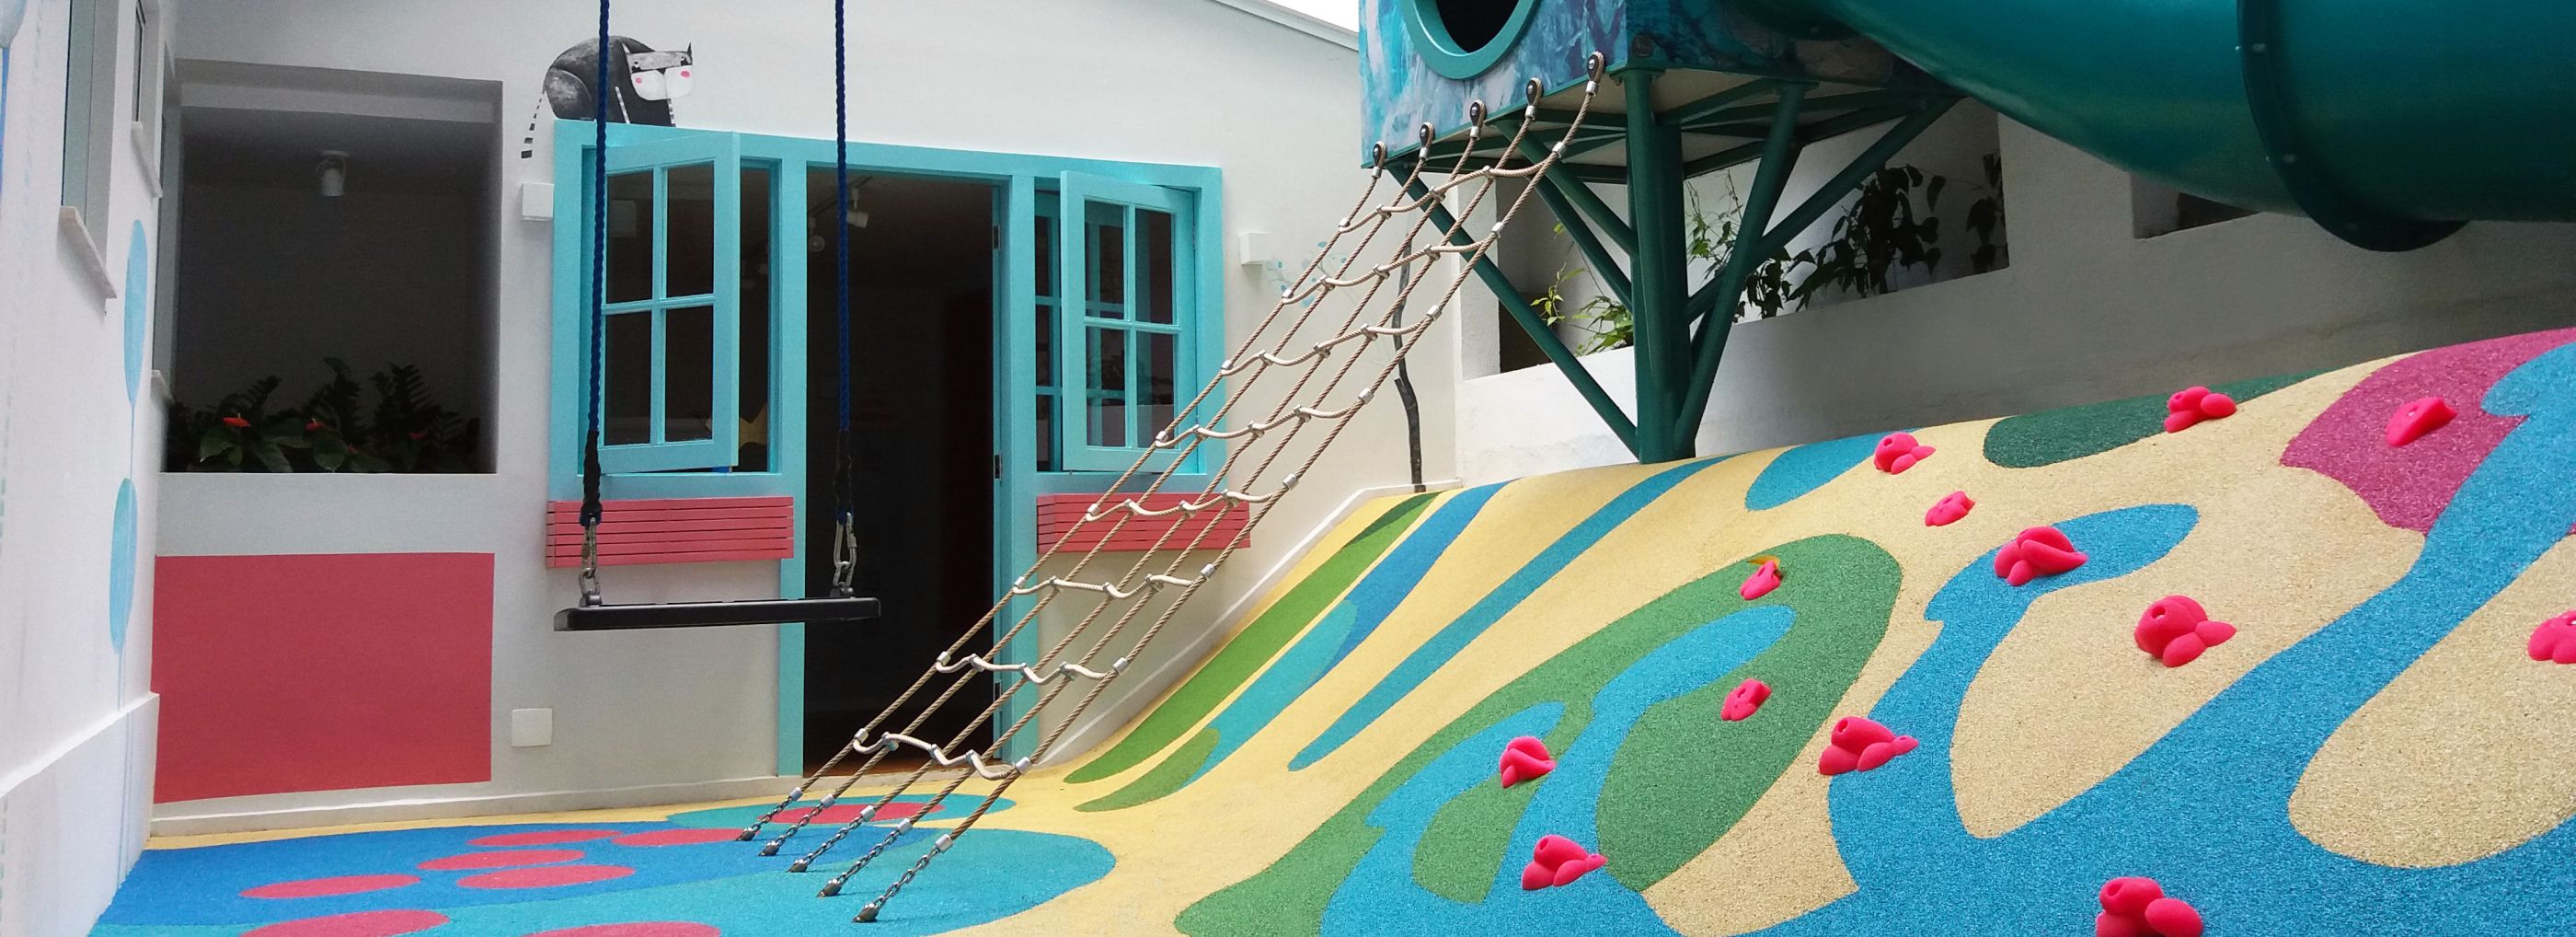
282	149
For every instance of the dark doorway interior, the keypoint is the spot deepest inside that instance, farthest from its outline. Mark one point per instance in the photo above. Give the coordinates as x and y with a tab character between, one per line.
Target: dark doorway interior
921	349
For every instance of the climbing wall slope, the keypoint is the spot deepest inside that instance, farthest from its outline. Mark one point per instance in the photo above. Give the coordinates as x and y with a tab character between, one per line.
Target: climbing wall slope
2375	727
2371	750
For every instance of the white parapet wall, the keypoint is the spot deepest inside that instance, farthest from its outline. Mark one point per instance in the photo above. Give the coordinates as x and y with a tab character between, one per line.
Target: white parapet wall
2086	311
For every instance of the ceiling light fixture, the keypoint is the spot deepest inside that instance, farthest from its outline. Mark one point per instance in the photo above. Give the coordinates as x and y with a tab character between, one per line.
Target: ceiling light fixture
334	172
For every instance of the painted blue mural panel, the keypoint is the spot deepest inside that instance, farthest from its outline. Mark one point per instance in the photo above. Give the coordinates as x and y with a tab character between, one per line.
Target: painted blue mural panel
1402	88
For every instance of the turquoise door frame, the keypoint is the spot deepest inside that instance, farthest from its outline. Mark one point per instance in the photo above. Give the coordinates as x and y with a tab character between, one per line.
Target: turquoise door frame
1017	180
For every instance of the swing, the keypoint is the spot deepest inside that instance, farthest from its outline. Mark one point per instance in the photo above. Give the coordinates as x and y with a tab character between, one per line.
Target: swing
594	613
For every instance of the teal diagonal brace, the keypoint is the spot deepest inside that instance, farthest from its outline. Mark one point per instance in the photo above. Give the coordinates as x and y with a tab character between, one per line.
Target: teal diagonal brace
1780	149
1519	308
1711	344
1829	127
1696	111
1603	265
1570	186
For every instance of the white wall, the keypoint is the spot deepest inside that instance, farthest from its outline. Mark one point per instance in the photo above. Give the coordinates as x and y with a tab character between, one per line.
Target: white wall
1175	81
76	711
2085	312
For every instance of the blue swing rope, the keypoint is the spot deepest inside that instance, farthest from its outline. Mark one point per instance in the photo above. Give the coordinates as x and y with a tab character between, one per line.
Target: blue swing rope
592	508
844	544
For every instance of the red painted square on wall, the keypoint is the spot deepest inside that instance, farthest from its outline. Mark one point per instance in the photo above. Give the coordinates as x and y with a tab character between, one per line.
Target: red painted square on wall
281	674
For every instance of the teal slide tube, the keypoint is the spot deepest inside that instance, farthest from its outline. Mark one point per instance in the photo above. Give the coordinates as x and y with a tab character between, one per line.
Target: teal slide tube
2364	114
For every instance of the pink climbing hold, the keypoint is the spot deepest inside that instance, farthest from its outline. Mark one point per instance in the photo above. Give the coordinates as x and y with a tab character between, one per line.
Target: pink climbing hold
1526	759
1858	744
2036	552
2417	418
2176	630
1761	582
1949	510
2138	907
1745	700
1898	452
2194	404
2555	640
1558	861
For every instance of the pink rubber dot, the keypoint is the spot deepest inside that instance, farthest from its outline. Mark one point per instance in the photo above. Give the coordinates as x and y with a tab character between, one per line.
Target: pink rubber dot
543	838
844	813
500	860
361	924
677	837
327	887
550	876
647	929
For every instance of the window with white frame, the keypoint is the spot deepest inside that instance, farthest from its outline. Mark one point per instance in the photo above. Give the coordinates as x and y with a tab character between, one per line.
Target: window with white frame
148	81
90	105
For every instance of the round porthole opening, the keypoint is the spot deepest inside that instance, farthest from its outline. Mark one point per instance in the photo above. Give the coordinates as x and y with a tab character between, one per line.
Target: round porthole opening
1474	24
1462	38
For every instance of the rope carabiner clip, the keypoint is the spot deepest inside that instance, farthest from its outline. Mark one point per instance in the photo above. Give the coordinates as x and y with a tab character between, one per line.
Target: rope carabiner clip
845	557
590	567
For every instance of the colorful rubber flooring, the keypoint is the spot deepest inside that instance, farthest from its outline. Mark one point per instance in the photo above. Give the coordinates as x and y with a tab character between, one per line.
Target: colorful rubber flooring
2372	752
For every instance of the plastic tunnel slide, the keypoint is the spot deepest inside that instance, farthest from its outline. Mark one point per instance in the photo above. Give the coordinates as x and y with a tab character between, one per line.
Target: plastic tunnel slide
2387	121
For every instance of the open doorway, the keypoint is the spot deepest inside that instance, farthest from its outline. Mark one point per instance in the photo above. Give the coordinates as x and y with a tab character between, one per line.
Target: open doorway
921	350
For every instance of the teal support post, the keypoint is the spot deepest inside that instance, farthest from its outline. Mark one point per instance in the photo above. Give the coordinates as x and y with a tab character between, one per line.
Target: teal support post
1518	307
1658	274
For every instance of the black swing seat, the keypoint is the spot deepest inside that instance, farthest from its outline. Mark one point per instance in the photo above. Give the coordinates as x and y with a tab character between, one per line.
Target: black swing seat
711	614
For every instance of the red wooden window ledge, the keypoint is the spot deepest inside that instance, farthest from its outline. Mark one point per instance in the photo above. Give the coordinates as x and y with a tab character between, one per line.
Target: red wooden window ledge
676	530
1060	513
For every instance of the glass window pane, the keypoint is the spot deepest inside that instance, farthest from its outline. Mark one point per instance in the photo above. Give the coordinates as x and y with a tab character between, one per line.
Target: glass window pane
690	254
1046	432
630	236
1154	245
1046	256
1046	344
756	208
1106	352
1155	381
1107	227
688	374
627	380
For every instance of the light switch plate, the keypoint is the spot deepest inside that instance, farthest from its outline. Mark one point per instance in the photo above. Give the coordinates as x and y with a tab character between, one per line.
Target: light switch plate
537	201
532	728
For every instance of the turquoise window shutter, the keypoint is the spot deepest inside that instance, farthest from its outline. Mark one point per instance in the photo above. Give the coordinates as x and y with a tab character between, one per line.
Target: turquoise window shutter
1125	345
671	384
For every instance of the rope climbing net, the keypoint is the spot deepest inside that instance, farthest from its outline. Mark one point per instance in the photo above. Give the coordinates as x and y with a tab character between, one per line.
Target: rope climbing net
1157	580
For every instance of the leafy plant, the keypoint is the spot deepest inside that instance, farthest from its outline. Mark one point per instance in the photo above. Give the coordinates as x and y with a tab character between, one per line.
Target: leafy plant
332	431
1986	219
1604	321
1880	234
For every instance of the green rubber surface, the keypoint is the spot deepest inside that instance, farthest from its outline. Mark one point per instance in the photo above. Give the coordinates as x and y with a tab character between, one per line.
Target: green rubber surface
1259	641
2055	436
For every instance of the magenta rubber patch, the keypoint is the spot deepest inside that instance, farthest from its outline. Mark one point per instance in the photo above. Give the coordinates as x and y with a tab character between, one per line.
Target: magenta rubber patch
2410	486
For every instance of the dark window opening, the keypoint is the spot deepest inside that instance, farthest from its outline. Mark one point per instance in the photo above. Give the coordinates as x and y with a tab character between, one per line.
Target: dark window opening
1472	24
